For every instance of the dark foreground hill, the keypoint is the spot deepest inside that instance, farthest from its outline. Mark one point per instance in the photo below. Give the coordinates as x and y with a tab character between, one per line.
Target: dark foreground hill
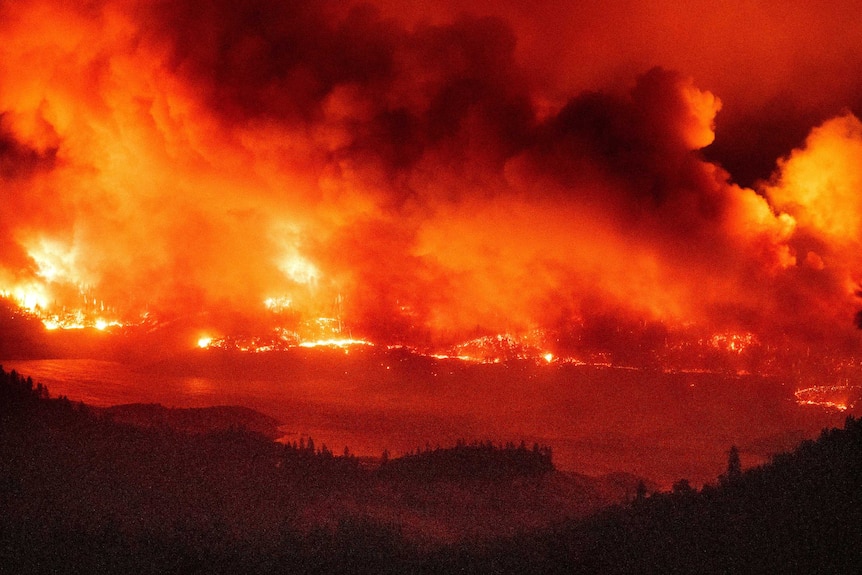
800	514
145	489
81	493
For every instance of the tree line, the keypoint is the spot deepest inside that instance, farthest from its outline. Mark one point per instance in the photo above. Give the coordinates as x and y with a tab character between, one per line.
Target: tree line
84	495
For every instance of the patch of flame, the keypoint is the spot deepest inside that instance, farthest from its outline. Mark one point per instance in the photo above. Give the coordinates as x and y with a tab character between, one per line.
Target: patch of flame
733	342
827	396
334	342
33	298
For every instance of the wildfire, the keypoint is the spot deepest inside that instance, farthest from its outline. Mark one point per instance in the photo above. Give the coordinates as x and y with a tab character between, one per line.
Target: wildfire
733	342
839	397
683	351
344	343
467	358
504	347
34	300
279	340
28	299
453	177
77	320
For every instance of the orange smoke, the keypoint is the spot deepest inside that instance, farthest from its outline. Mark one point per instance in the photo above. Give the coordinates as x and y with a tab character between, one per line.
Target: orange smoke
423	175
820	183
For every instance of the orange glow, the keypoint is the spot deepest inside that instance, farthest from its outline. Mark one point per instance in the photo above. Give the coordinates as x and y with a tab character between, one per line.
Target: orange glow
55	262
819	184
632	229
838	397
342	343
299	269
840	406
405	186
703	106
733	342
32	298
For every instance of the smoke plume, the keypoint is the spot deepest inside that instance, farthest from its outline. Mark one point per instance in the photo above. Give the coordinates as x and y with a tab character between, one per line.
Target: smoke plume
427	174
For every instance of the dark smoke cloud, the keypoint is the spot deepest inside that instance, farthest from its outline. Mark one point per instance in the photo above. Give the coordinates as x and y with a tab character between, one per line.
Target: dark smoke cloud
429	172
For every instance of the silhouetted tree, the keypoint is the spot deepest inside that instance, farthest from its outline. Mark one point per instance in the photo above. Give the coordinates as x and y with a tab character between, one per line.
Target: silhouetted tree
641	491
683	487
734	466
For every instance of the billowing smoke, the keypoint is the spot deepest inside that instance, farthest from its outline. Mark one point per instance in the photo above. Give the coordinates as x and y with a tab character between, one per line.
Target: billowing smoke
426	175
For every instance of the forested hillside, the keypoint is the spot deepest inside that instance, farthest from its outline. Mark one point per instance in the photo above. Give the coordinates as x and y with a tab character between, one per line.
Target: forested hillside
802	513
148	490
81	493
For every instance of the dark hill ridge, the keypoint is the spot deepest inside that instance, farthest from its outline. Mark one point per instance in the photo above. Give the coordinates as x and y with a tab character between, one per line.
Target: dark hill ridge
801	513
80	493
127	485
479	460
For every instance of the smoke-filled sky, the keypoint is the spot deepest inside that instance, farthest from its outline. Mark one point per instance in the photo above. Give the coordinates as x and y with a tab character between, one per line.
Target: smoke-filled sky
435	168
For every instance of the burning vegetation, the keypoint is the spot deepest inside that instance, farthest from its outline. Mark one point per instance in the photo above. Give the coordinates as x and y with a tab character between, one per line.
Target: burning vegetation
407	175
826	379
260	176
645	186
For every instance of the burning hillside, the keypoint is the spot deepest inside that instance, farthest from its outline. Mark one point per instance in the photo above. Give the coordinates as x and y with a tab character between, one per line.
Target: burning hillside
404	174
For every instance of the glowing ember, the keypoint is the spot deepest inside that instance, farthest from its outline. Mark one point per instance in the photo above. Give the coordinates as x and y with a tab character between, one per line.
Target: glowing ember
204	342
466	358
342	343
502	347
839	397
733	342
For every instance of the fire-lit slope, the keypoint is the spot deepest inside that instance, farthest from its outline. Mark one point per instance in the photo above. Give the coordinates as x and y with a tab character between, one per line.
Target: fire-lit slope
413	175
598	418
